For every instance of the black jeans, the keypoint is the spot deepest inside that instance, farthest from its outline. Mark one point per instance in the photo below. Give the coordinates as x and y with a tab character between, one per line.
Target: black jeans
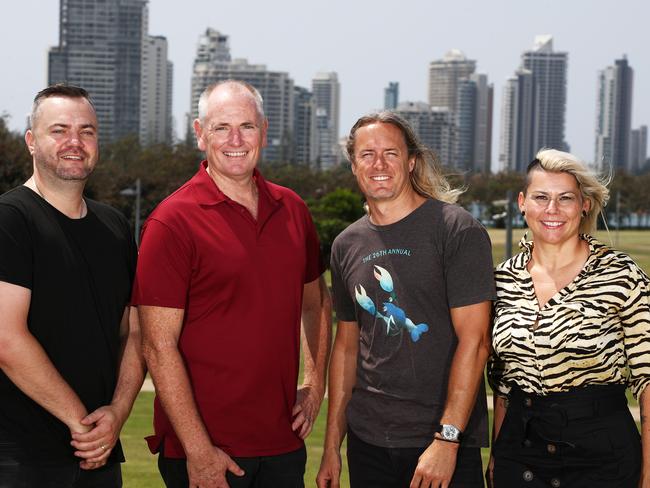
281	471
381	467
15	473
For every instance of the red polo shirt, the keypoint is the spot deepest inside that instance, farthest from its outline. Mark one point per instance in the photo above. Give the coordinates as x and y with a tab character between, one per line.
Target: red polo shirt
240	282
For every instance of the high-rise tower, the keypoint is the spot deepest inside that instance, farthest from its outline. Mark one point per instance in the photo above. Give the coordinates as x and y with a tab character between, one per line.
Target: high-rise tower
534	106
156	93
100	49
391	96
444	75
614	115
326	90
212	64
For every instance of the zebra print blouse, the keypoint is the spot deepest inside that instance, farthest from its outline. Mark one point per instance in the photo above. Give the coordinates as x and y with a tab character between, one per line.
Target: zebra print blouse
594	331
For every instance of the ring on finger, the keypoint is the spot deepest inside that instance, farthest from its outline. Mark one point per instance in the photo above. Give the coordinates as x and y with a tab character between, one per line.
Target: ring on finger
103	447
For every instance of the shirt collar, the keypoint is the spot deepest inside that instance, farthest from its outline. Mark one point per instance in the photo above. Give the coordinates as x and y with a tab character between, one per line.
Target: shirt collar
596	250
207	192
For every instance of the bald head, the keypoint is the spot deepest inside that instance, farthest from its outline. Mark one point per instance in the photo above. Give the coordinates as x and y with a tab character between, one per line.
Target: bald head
221	89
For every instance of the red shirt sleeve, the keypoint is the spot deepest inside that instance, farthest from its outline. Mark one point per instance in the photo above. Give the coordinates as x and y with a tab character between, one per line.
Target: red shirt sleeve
164	268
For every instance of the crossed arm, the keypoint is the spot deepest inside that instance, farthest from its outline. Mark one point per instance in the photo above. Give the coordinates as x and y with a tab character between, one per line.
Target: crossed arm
27	365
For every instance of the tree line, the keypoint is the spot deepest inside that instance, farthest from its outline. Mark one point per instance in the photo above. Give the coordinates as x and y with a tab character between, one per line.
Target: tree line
332	195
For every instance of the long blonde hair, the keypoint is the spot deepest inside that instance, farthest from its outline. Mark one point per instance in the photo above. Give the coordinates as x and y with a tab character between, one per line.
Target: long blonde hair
426	178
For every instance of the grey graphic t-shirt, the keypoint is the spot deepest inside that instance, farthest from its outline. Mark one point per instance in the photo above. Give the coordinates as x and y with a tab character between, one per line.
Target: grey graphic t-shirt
398	283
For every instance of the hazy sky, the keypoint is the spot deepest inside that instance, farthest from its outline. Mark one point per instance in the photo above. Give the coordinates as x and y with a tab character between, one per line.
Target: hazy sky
368	43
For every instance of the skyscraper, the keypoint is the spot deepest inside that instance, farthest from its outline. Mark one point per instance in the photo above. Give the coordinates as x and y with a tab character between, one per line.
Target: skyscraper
534	106
101	49
326	90
467	96
549	70
156	93
303	125
517	122
444	75
474	124
614	116
639	149
212	64
391	96
435	127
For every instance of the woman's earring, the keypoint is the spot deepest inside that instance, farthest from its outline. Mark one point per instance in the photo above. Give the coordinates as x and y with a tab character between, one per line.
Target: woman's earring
523	213
584	214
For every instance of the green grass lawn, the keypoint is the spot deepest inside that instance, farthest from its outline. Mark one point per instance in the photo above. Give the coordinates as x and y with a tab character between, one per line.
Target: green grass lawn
140	470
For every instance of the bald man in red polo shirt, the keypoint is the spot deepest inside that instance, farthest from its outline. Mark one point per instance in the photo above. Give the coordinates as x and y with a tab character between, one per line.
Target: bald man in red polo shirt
229	268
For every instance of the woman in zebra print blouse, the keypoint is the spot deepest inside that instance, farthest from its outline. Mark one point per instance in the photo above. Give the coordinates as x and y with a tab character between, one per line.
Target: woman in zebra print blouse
571	333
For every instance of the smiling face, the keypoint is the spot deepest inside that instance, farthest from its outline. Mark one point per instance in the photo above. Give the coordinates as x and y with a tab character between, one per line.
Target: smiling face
553	206
232	133
63	139
381	162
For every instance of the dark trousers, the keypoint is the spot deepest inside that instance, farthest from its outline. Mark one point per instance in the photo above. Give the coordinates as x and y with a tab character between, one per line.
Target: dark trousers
15	473
281	471
381	467
582	438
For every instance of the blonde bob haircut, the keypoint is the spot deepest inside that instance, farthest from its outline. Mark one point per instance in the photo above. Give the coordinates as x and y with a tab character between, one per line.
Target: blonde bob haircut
426	178
593	187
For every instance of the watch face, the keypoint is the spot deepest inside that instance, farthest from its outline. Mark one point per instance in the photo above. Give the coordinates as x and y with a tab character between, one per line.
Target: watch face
450	432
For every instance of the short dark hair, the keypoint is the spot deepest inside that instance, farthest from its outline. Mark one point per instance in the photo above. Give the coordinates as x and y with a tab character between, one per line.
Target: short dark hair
58	90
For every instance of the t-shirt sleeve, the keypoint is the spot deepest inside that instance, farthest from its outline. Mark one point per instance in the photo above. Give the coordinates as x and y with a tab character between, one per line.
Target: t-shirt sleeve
469	274
15	248
343	304
164	267
315	266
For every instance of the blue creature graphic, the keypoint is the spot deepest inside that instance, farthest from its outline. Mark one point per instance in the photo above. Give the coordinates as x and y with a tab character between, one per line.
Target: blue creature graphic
394	317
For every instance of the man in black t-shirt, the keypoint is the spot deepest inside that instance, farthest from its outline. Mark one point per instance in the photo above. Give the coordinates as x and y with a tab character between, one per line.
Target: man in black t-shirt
70	358
412	283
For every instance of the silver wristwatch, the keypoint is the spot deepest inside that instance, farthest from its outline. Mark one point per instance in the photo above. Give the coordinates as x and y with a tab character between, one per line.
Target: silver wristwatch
449	432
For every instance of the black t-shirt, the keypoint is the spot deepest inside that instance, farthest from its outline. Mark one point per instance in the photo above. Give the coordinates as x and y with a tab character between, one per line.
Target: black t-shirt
398	282
79	272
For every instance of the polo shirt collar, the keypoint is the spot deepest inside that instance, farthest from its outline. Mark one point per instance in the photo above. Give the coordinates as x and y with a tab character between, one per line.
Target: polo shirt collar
207	192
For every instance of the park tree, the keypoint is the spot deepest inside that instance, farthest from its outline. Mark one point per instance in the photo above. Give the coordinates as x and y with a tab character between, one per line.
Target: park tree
15	161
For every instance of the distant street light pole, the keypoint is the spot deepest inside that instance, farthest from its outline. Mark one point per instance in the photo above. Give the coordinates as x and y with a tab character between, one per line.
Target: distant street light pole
137	193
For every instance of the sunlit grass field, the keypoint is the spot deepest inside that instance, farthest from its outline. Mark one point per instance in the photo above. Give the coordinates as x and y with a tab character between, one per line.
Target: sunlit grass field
140	470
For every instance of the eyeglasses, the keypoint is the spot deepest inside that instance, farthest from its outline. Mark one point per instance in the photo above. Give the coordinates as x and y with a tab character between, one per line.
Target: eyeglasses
564	200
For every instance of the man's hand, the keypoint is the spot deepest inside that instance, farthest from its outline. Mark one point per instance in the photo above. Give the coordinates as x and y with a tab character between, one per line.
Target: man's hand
208	468
436	466
305	411
96	445
329	474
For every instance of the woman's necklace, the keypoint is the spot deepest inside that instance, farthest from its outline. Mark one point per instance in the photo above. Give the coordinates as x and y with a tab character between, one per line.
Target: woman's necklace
82	210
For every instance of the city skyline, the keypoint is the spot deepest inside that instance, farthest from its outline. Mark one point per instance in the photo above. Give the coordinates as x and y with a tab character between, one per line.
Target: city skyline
368	46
